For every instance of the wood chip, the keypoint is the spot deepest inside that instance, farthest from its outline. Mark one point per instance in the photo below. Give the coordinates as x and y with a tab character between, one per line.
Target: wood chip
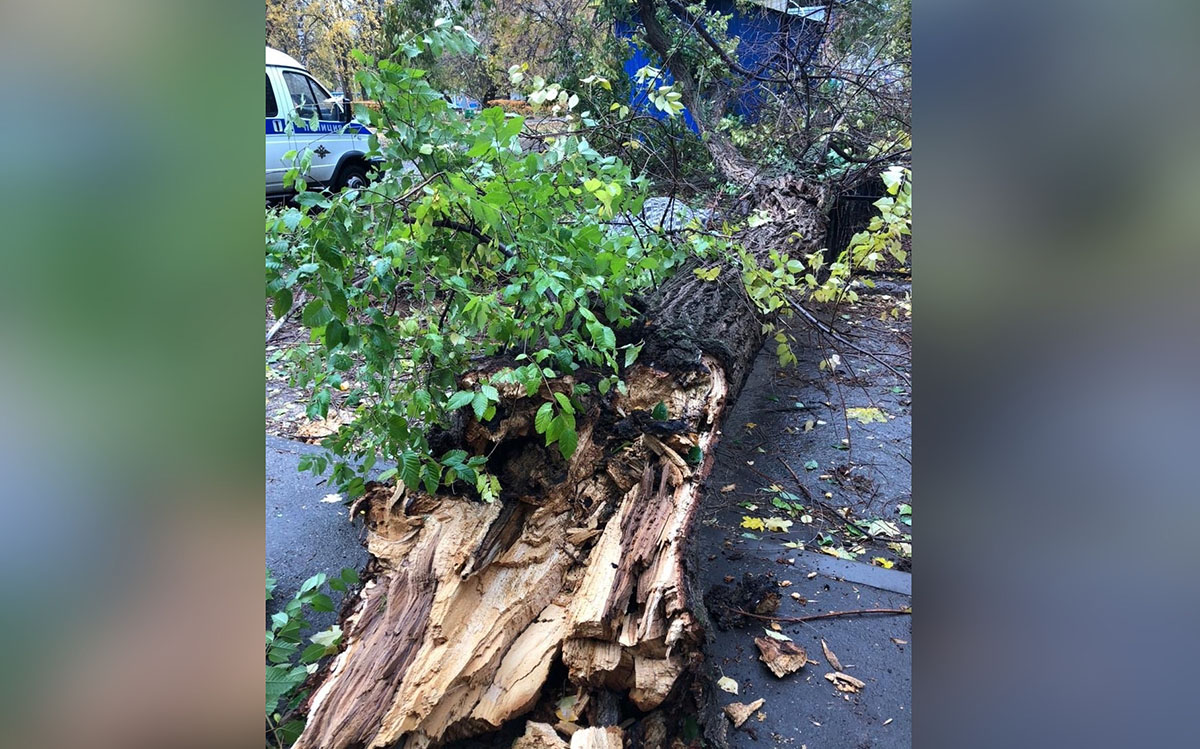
738	713
829	656
898	641
845	682
609	737
728	488
539	736
782	658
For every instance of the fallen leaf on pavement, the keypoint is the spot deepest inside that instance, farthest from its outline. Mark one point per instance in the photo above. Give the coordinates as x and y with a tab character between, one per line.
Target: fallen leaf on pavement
845	682
738	713
879	528
838	552
777	636
904	550
898	641
777	524
728	684
331	498
883	562
752	523
866	415
829	656
782	658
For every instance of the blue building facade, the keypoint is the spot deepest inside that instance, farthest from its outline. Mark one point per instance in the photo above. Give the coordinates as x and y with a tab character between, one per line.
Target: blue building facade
769	29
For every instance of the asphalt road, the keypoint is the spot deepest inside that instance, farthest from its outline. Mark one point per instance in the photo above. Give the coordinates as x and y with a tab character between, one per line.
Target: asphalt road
304	535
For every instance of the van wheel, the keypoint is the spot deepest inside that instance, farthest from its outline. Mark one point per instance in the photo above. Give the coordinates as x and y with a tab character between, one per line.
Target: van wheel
353	176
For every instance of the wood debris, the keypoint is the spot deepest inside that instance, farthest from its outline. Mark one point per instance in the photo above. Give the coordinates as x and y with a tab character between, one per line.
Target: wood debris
738	712
845	682
782	658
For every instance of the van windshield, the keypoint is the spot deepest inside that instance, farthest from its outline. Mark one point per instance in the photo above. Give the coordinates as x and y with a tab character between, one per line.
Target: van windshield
309	98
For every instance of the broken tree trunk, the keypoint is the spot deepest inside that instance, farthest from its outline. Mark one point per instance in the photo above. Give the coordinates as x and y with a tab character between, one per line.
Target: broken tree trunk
580	567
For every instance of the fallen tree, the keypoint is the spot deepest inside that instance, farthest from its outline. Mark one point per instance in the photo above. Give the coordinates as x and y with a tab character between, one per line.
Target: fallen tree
582	570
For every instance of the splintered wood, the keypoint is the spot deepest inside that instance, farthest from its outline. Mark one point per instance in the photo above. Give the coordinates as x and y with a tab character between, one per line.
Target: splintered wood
470	603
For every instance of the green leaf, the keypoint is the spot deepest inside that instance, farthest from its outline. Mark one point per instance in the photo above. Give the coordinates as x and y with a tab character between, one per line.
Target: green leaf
659	413
313	653
479	405
329	638
290	731
565	402
567	442
410	468
282	303
811	465
312	583
281	680
459	399
316	314
321	602
541	420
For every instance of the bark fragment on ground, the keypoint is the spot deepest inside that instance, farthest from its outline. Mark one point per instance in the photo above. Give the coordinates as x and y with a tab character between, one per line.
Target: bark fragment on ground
469	606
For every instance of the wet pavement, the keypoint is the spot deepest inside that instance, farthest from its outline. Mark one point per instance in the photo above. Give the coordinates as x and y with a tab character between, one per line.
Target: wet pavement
304	535
783	420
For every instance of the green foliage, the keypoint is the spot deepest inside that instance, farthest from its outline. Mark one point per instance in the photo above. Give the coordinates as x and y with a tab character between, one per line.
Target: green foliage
883	236
287	667
465	246
772	287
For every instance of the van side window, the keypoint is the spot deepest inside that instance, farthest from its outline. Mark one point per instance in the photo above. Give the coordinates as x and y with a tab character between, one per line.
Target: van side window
309	98
272	106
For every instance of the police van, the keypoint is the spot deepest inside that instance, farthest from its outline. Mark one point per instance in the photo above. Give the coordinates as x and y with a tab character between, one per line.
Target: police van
338	144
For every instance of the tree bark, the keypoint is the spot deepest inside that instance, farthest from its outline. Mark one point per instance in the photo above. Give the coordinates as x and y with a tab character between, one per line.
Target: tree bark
581	570
706	108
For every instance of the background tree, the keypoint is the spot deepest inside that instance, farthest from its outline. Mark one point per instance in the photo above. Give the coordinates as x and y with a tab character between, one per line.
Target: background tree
836	112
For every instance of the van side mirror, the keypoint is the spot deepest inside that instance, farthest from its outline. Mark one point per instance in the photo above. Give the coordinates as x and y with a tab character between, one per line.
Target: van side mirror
347	110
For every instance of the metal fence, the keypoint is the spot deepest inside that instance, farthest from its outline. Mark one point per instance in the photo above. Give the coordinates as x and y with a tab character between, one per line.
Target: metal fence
851	213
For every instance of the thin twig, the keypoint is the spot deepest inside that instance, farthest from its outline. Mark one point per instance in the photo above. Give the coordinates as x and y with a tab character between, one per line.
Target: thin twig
279	323
830	332
827	615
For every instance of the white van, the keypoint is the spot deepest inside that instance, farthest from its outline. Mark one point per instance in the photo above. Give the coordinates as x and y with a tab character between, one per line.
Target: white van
338	145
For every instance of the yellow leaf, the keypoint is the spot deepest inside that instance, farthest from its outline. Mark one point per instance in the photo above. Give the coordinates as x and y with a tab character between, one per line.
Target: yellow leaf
728	684
776	524
881	562
751	523
866	415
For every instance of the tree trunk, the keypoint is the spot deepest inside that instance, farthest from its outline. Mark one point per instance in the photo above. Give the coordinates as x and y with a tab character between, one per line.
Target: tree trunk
580	571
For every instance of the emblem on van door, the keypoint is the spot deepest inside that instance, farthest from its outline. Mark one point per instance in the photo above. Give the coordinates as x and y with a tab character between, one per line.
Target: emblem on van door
321	151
